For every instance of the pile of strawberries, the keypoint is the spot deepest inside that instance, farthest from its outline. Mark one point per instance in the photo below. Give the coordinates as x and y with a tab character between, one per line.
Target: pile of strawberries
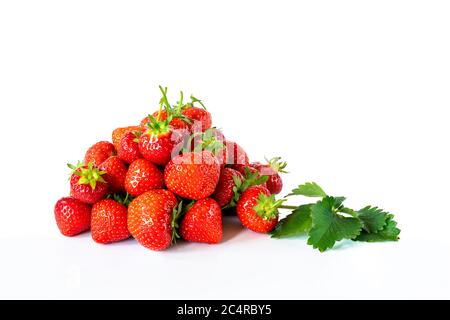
172	176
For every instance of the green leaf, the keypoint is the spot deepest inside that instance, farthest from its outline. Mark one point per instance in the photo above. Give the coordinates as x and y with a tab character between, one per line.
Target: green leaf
309	189
299	221
373	218
389	233
328	227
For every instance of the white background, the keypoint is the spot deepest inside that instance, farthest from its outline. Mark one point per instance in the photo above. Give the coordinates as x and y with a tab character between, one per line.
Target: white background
353	94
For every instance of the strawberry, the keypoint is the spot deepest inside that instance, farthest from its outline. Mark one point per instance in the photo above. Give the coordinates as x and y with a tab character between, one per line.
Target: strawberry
150	219
200	117
236	155
118	133
202	222
224	192
72	216
99	152
128	149
142	176
109	221
160	142
87	183
257	209
116	171
193	175
272	170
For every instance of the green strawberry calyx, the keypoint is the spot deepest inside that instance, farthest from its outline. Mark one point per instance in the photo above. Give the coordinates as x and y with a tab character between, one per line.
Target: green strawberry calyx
89	174
123	198
277	164
202	141
174	111
137	135
267	206
177	212
158	127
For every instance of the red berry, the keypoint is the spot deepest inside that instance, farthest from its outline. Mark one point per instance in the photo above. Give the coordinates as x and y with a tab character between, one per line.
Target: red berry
143	176
193	175
72	216
150	217
161	142
99	152
160	148
118	133
272	170
257	210
109	221
201	119
235	154
224	191
87	184
116	171
128	150
202	222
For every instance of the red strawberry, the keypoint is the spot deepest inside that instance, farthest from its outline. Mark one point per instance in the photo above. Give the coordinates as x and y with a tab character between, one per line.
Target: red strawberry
143	176
272	170
150	219
116	171
99	152
202	222
224	192
236	156
118	133
87	183
109	221
257	209
193	175
201	119
128	149
72	216
160	142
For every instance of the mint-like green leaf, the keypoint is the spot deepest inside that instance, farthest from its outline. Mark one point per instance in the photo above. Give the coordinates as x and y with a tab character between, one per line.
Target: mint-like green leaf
299	221
373	218
328	227
309	189
389	233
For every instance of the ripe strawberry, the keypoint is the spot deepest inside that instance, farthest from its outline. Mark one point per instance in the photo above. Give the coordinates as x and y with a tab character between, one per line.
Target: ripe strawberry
87	183
193	175
72	216
236	155
202	222
142	176
224	192
109	221
257	209
272	170
118	133
200	117
128	149
116	171
150	219
160	142
99	152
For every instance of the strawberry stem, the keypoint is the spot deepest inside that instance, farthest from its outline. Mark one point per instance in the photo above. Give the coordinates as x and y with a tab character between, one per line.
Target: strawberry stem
288	207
